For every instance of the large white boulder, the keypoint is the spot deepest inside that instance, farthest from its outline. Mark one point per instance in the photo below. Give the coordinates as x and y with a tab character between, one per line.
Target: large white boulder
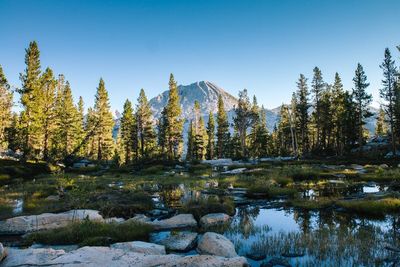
46	221
176	222
105	256
182	241
215	244
213	219
140	247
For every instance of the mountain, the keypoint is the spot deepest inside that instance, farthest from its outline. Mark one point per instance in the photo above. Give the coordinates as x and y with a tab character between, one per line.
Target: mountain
206	93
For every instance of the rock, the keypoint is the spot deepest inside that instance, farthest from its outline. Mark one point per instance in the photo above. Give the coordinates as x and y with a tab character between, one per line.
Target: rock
276	262
45	221
235	171
3	252
110	257
384	166
53	198
177	222
182	241
213	219
140	218
209	261
114	220
257	256
215	244
218	162
140	247
30	256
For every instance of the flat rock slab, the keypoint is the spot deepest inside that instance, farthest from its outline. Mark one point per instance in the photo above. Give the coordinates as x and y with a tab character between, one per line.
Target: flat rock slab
46	221
213	219
215	244
30	256
105	256
140	247
177	222
182	241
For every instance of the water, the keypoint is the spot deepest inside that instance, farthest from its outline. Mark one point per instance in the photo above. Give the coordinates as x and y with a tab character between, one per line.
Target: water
325	238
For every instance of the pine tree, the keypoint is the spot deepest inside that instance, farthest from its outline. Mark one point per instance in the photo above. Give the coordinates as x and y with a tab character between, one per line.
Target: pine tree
317	88
13	133
190	141
253	145
223	137
80	124
350	130
243	120
145	129
362	100
200	140
302	114
326	119
174	122
127	131
388	93
210	136
161	133
105	123
6	102
30	100
381	127
338	114
48	85
284	137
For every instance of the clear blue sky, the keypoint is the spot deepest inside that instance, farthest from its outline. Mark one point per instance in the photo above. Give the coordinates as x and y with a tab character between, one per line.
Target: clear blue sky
259	45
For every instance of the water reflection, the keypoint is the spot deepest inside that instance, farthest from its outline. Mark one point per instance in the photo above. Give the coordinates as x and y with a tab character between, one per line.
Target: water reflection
326	238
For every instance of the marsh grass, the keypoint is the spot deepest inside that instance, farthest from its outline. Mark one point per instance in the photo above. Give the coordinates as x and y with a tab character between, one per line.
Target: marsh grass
372	207
201	207
91	233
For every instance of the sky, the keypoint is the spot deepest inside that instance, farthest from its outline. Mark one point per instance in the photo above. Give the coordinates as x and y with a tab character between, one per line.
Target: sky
259	45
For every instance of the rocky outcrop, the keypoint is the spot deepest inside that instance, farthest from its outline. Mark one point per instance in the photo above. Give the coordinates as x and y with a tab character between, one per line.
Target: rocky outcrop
214	219
177	222
215	244
105	256
45	221
182	241
140	247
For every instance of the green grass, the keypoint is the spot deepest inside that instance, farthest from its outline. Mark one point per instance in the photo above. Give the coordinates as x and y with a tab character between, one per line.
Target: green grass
201	207
373	207
91	233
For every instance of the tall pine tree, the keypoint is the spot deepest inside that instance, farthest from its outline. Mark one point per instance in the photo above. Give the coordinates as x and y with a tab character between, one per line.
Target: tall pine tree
6	102
223	136
105	123
362	100
145	128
